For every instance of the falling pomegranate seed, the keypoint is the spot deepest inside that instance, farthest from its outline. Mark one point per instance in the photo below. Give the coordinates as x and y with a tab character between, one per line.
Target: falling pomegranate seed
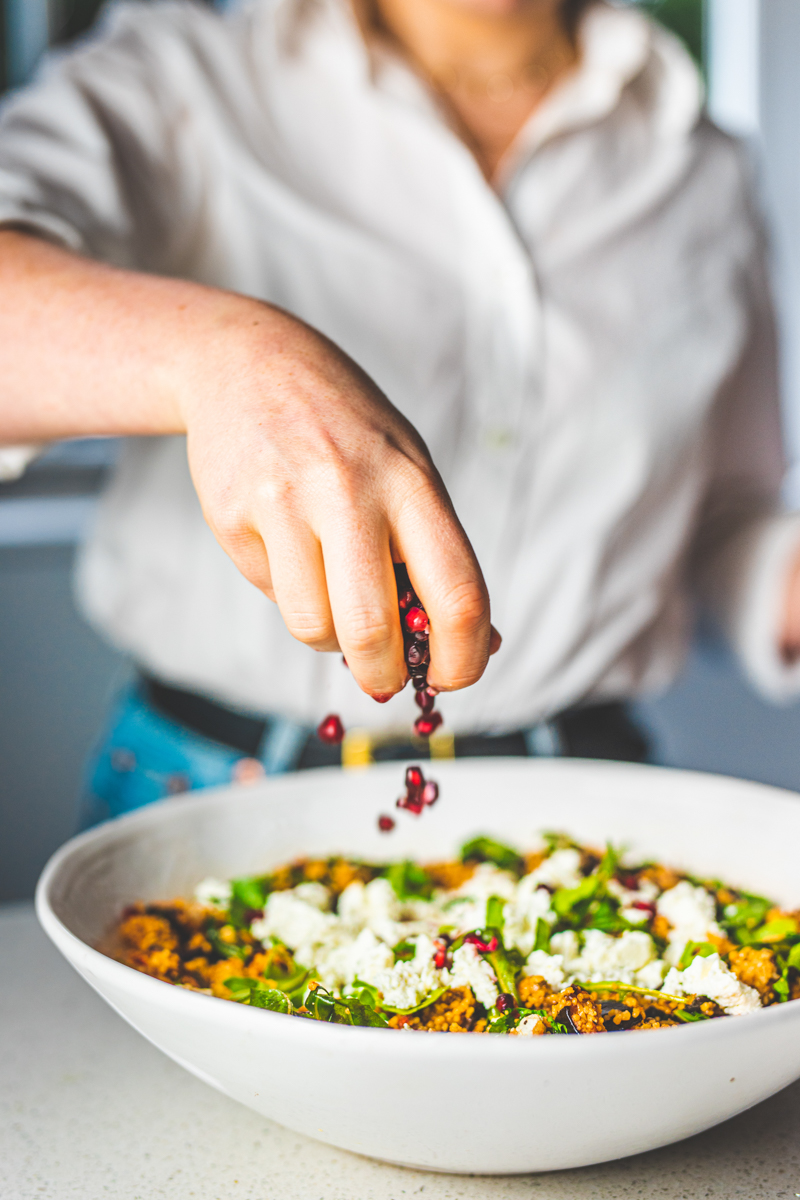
331	730
425	700
414	777
427	724
430	793
385	824
417	620
505	1001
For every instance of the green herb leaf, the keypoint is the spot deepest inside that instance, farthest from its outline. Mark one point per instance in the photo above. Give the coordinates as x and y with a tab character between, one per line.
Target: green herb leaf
793	959
494	914
224	949
695	950
567	902
257	995
404	951
542	935
775	931
410	881
486	849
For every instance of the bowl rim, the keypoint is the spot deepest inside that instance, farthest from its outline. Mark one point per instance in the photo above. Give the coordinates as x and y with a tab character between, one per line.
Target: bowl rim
82	954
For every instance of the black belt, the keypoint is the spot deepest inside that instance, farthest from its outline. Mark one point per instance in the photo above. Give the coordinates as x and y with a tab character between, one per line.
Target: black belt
588	731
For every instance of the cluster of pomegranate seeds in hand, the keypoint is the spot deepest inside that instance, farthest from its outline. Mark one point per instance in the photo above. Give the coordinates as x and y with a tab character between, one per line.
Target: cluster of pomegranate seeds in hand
419	793
416	632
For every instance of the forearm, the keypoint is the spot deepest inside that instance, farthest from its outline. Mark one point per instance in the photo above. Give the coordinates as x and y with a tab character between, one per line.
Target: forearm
89	349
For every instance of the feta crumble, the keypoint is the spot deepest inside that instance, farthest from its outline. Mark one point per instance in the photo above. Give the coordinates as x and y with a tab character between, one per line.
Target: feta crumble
711	977
214	892
691	911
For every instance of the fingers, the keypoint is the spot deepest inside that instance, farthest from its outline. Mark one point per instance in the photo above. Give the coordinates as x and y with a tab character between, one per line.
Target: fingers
363	599
446	576
298	581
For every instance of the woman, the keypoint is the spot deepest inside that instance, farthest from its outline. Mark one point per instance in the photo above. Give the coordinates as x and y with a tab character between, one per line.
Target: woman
513	217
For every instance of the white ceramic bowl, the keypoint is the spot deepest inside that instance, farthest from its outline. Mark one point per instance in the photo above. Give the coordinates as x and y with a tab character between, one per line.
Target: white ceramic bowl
467	1104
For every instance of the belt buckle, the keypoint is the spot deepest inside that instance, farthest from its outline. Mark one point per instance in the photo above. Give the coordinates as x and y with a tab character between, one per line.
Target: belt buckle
358	746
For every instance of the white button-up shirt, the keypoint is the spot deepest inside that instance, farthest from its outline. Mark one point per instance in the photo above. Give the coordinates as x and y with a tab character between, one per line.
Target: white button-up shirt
587	348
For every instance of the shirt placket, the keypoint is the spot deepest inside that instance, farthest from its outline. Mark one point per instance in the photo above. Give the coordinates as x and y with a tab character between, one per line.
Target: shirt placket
503	370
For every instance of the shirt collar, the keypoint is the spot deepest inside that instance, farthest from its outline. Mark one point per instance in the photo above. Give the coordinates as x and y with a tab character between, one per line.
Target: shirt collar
617	46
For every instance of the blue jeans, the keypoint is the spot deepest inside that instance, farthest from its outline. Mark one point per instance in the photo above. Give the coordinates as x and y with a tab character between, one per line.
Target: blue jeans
144	756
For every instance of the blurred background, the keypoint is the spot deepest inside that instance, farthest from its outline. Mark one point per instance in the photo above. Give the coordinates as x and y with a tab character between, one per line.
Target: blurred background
55	673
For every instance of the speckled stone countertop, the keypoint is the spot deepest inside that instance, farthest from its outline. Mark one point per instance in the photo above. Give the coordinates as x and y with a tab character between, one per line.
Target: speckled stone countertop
89	1109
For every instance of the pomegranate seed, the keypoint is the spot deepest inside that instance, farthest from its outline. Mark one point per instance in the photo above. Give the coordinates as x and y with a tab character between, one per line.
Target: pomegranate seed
645	906
407	600
414	777
416	654
419	682
424	726
480	944
440	956
425	700
430	793
505	1001
385	824
382	697
417	619
331	730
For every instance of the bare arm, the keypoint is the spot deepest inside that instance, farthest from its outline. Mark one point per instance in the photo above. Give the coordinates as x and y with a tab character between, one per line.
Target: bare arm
309	478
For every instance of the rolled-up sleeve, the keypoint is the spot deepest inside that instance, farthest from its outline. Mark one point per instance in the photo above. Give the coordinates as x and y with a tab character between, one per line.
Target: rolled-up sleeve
94	153
745	543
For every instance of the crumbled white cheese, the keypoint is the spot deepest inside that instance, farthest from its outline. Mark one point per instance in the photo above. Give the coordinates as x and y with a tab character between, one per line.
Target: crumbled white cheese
315	894
407	984
489	880
568	945
529	1026
710	977
560	870
651	975
465	908
604	957
214	892
520	915
549	966
470	970
292	921
691	911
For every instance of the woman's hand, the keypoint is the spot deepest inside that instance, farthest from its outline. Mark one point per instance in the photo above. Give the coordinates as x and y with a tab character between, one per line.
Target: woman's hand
310	479
313	483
